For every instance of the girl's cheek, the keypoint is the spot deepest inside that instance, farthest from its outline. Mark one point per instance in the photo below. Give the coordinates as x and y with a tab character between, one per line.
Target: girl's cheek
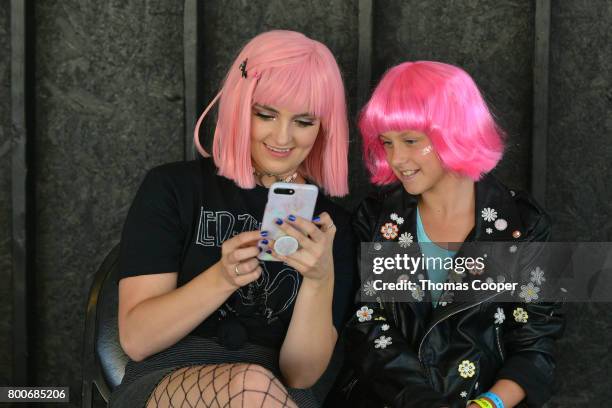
426	150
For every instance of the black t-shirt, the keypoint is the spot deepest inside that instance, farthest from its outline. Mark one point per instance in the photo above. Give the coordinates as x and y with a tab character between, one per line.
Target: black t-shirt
182	214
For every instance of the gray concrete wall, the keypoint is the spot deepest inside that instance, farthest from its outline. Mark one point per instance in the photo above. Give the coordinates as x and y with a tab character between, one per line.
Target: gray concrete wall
109	89
6	264
579	195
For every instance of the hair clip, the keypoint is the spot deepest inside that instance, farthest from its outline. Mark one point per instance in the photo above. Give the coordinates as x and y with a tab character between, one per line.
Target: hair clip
243	68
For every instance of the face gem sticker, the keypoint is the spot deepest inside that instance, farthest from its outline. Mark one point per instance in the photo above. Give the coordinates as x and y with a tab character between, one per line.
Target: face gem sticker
426	150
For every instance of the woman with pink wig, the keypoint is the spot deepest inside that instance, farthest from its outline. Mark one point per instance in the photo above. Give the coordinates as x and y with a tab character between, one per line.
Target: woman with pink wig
203	320
430	141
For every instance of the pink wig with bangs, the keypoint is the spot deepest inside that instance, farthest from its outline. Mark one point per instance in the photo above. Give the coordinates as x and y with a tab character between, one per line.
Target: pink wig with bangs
291	71
441	101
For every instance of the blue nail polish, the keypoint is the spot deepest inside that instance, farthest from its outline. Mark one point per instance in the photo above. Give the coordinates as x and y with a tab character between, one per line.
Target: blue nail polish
279	221
264	233
291	217
269	251
316	219
264	241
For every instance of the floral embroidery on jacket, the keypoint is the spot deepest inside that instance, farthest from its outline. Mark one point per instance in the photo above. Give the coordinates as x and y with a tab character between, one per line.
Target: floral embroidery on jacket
382	342
389	231
529	292
537	276
520	315
489	214
364	314
466	369
368	288
499	316
406	239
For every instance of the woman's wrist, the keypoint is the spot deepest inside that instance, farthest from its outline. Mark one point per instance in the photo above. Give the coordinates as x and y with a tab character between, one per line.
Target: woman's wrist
215	277
324	281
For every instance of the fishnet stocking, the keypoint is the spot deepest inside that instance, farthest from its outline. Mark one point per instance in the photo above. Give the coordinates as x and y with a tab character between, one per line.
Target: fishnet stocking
220	386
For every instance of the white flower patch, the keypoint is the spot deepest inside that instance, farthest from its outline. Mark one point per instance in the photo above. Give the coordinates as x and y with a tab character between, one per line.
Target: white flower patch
537	276
364	314
417	293
389	230
384	327
529	292
463	394
489	214
513	249
368	288
382	342
393	217
399	220
406	239
466	369
499	316
520	315
489	231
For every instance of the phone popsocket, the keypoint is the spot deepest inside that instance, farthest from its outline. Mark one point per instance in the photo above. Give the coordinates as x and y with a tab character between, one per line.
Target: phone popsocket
286	245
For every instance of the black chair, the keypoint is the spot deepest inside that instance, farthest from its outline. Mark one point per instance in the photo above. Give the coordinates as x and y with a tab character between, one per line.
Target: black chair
103	359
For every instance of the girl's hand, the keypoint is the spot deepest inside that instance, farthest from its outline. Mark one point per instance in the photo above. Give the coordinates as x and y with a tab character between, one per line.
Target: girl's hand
314	258
239	265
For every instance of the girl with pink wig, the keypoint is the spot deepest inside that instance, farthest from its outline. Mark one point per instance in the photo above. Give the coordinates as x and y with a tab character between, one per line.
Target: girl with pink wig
203	320
430	141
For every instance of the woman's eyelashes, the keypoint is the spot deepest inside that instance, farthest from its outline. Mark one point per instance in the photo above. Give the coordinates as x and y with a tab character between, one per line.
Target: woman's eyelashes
264	115
305	122
301	122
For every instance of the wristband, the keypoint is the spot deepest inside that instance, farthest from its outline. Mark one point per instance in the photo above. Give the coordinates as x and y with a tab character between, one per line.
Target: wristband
482	403
493	397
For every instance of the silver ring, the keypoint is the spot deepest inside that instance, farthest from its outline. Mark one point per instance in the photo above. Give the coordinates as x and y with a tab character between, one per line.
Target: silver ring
236	269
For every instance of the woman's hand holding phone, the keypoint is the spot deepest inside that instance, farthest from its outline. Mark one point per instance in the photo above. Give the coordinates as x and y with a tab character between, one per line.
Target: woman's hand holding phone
239	265
314	259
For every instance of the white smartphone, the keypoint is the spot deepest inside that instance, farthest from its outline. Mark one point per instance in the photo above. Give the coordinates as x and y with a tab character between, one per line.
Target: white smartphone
286	199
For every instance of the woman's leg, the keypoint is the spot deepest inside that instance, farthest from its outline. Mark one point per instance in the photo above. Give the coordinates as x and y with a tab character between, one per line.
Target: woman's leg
220	386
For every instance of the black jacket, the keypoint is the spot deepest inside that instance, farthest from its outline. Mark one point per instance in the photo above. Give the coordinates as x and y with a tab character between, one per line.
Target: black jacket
420	368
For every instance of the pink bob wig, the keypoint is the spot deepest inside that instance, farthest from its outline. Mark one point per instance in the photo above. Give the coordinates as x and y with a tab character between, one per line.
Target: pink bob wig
441	101
288	70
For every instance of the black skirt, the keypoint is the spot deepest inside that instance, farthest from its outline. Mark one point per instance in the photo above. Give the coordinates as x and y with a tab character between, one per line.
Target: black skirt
142	377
